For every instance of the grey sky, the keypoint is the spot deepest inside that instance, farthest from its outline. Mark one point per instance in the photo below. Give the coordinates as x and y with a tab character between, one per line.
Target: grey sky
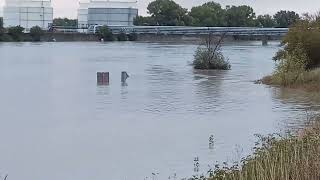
67	8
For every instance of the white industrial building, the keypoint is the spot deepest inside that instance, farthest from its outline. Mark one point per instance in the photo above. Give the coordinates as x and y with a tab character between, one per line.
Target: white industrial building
106	12
28	13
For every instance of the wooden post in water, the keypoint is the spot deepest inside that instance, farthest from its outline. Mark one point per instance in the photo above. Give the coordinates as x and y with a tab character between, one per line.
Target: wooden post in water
124	76
103	78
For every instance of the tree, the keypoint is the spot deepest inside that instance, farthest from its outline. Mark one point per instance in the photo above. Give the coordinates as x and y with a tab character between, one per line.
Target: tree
65	22
144	21
210	55
303	35
122	36
265	21
168	13
16	32
1	22
208	14
36	32
105	33
286	18
240	16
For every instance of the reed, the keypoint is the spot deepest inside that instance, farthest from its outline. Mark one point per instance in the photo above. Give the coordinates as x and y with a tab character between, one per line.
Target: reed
279	158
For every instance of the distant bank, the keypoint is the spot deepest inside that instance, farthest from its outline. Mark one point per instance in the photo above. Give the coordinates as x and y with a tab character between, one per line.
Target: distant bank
196	38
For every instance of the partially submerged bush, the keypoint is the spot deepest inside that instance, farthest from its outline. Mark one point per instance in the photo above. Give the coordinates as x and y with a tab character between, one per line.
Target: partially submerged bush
133	36
122	36
16	33
105	33
209	56
36	32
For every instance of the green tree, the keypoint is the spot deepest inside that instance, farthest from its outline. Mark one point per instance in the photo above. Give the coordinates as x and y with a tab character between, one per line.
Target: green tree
286	18
208	14
144	21
36	32
240	16
168	13
1	22
16	33
65	22
265	21
105	33
303	35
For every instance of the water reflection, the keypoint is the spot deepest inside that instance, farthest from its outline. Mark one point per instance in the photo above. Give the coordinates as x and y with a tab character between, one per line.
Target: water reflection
208	89
165	90
158	123
305	104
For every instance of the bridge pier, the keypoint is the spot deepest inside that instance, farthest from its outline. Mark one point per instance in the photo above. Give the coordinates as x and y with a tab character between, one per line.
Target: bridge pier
264	40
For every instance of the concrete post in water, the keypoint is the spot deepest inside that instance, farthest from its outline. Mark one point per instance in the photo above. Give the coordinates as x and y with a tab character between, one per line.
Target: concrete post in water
264	40
103	78
124	76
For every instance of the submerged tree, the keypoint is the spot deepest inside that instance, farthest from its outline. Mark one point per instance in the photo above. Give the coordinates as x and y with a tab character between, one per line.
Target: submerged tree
105	33
210	56
1	22
16	33
36	32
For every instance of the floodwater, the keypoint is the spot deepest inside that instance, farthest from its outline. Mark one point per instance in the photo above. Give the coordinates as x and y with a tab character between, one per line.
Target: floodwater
56	123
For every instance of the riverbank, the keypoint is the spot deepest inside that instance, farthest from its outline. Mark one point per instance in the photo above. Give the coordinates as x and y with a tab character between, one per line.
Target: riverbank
307	80
276	157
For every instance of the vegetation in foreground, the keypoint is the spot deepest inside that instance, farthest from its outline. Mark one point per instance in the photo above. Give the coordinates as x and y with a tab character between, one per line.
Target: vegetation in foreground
278	158
299	61
210	56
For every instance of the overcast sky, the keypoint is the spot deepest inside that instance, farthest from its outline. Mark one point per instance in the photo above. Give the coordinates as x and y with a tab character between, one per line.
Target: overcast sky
67	8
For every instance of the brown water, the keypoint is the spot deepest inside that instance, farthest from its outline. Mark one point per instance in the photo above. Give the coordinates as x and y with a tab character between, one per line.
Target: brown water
56	123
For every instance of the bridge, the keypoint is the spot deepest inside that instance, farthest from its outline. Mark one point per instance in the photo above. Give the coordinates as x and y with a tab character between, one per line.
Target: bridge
184	30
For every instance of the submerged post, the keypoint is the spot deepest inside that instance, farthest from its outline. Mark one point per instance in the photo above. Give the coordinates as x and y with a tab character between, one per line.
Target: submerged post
103	78
124	76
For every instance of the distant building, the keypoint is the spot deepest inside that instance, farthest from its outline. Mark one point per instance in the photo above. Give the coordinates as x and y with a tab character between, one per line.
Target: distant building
28	13
106	12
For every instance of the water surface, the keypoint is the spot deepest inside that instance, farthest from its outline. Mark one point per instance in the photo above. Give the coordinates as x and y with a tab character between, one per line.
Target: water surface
56	123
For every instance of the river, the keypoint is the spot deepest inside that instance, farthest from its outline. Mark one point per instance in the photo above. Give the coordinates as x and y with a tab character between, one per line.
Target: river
56	123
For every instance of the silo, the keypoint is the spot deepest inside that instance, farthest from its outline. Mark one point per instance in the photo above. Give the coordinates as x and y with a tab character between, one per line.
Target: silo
28	13
83	14
106	12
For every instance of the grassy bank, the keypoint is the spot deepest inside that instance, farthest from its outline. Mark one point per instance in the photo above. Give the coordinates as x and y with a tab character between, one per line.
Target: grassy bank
306	80
279	158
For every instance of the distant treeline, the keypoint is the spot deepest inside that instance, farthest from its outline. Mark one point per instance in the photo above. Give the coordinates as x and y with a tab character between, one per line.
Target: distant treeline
212	14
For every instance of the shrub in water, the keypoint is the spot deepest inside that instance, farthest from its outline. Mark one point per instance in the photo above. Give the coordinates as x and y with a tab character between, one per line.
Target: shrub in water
36	32
122	36
133	36
16	33
210	56
105	33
